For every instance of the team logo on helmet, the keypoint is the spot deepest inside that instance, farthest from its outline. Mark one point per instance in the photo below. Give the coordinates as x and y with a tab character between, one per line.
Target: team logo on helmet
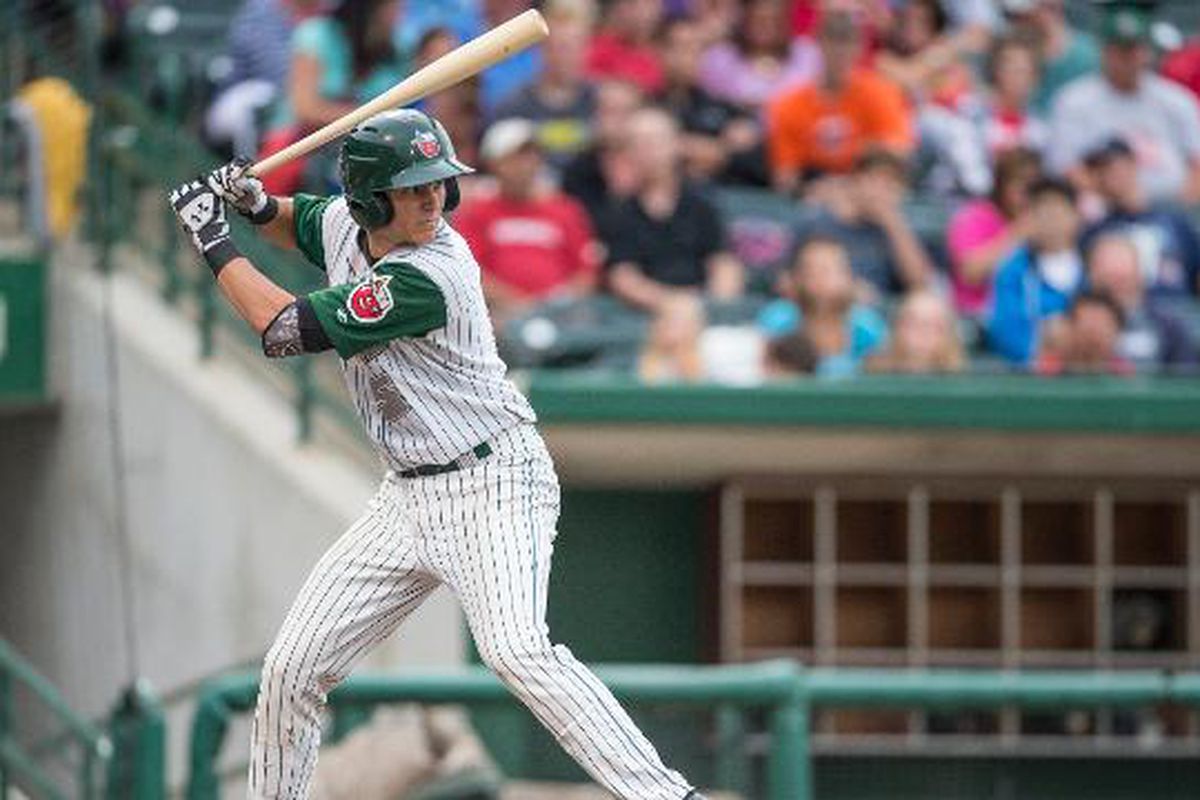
371	300
427	144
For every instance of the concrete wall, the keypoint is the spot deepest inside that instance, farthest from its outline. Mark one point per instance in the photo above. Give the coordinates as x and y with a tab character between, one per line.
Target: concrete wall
225	513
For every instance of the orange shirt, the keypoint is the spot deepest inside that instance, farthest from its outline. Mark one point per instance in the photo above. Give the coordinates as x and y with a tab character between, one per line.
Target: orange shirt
812	129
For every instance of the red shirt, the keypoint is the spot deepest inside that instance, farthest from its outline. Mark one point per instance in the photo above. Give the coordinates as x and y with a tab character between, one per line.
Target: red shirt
534	247
611	57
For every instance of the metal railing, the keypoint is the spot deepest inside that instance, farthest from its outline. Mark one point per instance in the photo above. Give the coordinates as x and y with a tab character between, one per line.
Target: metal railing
19	763
789	692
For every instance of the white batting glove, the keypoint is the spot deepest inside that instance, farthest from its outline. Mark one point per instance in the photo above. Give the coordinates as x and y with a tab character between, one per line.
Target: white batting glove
202	215
243	191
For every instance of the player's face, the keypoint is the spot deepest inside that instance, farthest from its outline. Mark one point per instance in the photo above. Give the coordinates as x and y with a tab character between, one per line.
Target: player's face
417	211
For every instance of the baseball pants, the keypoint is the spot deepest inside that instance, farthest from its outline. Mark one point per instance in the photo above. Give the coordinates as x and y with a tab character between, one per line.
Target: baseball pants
487	532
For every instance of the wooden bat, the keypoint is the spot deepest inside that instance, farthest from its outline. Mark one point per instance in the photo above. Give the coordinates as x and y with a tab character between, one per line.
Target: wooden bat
459	64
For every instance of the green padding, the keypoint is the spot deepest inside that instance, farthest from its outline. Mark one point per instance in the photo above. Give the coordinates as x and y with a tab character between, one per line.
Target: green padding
22	328
1109	405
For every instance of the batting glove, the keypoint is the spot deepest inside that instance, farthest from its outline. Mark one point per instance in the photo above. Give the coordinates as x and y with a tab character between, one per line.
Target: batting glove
202	215
244	191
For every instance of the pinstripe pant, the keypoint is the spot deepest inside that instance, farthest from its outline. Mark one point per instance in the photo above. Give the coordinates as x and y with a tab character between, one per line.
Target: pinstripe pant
487	532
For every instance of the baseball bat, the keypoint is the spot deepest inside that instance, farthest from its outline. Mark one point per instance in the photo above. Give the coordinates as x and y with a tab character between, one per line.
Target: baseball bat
483	51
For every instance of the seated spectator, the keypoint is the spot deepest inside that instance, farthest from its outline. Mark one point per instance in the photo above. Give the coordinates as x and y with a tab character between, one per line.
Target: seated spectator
457	106
338	62
1151	337
789	356
819	301
982	232
1090	336
624	46
260	55
502	80
924	338
667	236
719	140
1066	53
560	102
1164	236
963	139
1038	280
463	18
603	174
532	243
825	126
865	212
1159	119
672	351
922	57
760	60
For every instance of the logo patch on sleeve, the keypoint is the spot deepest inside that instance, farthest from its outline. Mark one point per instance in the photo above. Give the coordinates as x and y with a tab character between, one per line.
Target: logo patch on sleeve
371	300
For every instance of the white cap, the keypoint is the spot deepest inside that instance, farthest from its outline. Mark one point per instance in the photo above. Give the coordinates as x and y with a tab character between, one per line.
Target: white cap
506	137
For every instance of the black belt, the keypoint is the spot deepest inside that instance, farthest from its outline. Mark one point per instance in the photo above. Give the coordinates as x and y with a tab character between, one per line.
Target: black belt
477	454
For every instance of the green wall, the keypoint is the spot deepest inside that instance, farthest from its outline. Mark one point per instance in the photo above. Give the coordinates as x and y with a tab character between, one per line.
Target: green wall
626	586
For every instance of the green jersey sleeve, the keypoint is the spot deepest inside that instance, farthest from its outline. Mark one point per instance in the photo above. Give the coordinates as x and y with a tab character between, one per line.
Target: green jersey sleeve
395	301
308	211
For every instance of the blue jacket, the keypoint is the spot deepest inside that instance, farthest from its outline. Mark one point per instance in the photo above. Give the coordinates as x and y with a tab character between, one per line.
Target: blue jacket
1020	301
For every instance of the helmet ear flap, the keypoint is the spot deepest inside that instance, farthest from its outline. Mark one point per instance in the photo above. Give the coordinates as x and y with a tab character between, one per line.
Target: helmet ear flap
371	213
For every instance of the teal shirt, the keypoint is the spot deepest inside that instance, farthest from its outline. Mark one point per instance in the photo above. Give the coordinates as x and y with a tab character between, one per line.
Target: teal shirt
323	39
1082	57
866	331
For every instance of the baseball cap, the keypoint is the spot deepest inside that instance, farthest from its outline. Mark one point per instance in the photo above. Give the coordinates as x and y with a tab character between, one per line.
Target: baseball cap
1126	21
507	137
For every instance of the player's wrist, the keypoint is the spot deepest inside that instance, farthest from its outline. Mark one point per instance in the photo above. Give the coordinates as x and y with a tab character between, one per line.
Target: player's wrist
263	211
219	254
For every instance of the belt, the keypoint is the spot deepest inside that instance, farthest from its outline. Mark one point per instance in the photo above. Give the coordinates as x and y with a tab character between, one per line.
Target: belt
477	454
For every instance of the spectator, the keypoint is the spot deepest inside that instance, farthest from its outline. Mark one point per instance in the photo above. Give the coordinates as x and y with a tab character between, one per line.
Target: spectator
1159	119
924	338
672	351
1038	279
603	174
532	243
260	52
865	212
819	302
1164	236
1151	337
463	18
924	58
966	137
719	140
1066	53
760	60
982	232
789	356
559	101
338	62
457	106
823	127
624	47
667	236
1091	333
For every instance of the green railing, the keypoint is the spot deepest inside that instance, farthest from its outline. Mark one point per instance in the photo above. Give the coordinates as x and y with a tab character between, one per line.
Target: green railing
19	763
121	759
731	690
789	692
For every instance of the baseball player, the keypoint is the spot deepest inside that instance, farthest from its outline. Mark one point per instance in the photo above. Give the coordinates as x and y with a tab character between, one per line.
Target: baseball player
470	498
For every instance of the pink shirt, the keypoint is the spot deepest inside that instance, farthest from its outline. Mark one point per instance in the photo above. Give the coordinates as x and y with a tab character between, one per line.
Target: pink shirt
727	75
975	225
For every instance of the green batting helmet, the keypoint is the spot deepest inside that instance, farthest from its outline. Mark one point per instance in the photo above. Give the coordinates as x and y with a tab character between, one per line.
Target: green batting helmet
394	150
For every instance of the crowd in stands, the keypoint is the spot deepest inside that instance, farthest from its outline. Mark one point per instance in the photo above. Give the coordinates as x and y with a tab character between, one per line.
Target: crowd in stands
1058	164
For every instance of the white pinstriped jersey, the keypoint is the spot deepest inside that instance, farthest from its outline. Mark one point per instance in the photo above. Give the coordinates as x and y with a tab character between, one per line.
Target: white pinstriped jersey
427	399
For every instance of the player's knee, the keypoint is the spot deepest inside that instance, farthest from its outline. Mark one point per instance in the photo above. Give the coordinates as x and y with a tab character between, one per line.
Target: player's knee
512	659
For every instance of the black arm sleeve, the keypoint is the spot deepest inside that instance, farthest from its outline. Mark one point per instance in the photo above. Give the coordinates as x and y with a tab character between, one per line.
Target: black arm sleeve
295	331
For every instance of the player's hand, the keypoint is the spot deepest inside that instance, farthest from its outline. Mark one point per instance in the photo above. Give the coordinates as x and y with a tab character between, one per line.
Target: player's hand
243	190
202	215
